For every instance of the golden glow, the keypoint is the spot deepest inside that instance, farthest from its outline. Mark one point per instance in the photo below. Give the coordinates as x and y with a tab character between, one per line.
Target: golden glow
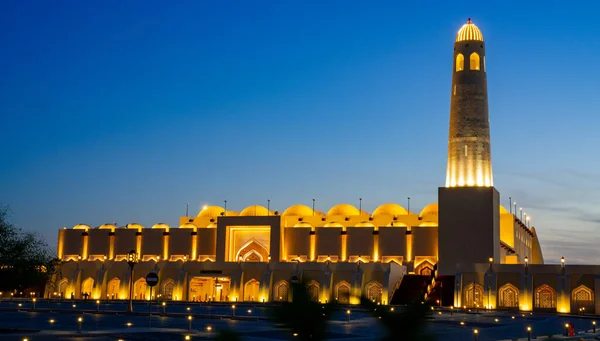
460	62
431	209
474	63
344	247
82	227
343	210
313	247
469	32
165	254
376	248
255	210
84	251
161	226
194	246
298	211
211	211
390	209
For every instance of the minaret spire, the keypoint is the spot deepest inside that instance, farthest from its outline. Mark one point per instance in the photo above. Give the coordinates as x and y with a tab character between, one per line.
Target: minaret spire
469	152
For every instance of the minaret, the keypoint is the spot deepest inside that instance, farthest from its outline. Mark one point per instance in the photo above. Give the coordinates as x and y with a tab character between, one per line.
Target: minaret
468	213
469	155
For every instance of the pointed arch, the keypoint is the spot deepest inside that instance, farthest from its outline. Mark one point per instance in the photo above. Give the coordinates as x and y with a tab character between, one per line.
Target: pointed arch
62	287
313	288
167	287
545	297
342	292
252	251
473	295
460	62
583	297
87	286
281	290
425	268
474	61
251	290
112	288
139	289
508	296
374	291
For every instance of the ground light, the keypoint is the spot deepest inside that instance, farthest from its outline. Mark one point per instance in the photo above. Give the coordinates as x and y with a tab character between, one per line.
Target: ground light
233	310
97	305
208	328
79	323
348	312
594	326
164	305
187	337
476	334
51	321
528	333
189	318
34	303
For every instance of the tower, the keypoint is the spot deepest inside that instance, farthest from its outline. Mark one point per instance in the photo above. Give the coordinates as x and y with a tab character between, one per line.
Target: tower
469	155
469	218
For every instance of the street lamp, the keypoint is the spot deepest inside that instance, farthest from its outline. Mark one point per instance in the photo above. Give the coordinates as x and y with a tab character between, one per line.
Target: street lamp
476	334
528	333
132	260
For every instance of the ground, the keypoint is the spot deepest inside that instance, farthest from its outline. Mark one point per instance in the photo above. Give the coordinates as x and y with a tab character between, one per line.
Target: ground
53	320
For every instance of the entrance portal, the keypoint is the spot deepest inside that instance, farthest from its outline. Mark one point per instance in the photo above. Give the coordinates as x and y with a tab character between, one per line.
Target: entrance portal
203	289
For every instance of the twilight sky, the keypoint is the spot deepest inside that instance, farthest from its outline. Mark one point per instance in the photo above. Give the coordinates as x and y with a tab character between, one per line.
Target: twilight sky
124	111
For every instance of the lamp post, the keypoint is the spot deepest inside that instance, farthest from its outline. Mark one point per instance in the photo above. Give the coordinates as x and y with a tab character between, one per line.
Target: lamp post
233	310
566	329
562	265
526	265
189	318
476	334
97	305
34	303
348	312
132	260
79	322
594	326
528	333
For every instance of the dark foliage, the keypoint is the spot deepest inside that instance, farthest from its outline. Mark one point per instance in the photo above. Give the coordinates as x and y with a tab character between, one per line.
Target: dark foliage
302	315
26	261
405	323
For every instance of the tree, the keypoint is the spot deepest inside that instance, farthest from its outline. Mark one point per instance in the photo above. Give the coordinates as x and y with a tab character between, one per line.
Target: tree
407	324
26	261
303	316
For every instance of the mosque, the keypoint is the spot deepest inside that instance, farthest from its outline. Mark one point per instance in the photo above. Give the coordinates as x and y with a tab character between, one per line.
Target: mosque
464	250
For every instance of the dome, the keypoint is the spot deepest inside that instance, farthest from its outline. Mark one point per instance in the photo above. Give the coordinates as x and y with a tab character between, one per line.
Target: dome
503	210
364	224
298	210
254	210
390	209
343	209
211	212
429	209
82	227
319	213
105	226
188	226
161	226
231	213
469	32
134	226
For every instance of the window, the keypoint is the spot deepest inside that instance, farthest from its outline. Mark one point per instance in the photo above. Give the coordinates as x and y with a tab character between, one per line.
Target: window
474	295
454	90
509	296
466	150
545	297
460	62
474	61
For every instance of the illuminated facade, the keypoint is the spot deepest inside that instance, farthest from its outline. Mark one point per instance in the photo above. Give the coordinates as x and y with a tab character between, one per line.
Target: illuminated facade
469	151
490	256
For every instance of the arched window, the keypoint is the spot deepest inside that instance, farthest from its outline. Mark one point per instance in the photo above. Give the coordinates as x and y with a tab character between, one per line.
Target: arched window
112	288
342	292
474	61
474	295
460	62
508	296
62	287
545	297
251	290
583	297
86	287
374	290
139	289
313	290
167	289
281	291
425	268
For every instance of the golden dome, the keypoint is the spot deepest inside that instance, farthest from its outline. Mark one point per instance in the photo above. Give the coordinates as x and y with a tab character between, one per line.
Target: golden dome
134	226
83	227
231	213
107	226
343	209
429	209
211	212
298	211
254	210
469	32
161	226
390	209
188	226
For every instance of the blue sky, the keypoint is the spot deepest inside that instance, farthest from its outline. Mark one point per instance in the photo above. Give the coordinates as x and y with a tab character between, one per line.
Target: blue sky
120	112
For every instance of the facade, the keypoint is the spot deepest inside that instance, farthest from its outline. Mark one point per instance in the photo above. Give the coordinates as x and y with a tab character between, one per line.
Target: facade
491	256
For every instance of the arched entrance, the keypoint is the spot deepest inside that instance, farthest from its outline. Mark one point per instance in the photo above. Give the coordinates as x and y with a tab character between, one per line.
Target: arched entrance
474	295
62	287
425	268
374	291
313	290
583	298
281	290
508	296
545	297
86	287
251	290
167	289
342	292
112	289
252	251
139	289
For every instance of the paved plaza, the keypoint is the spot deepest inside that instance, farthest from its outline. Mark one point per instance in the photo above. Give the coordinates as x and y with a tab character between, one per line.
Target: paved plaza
106	321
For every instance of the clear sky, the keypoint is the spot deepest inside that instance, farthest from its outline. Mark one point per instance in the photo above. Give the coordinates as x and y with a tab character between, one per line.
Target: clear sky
117	111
